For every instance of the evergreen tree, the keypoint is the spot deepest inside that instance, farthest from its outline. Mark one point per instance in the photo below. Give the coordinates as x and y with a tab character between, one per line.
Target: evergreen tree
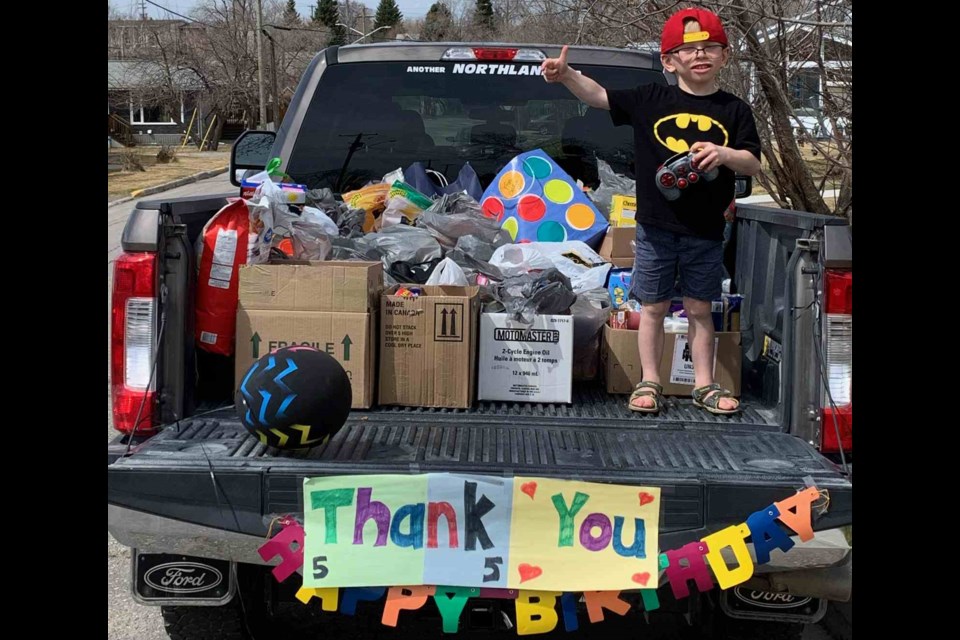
438	23
290	15
483	14
388	15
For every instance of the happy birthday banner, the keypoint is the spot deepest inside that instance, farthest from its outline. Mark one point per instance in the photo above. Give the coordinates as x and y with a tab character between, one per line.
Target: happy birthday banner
485	536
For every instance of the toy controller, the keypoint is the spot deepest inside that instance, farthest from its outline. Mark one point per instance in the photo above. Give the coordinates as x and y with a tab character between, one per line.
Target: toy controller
678	173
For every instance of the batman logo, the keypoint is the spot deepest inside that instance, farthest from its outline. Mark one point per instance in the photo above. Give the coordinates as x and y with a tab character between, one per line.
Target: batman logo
680	130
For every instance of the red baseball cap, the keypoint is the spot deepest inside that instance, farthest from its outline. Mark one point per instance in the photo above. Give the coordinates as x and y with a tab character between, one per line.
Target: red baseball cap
673	35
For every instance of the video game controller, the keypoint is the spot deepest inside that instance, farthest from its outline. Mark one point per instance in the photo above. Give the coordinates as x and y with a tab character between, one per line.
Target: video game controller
678	173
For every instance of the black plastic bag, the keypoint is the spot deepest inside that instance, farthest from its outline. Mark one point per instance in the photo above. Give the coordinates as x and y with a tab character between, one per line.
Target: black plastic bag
544	293
412	273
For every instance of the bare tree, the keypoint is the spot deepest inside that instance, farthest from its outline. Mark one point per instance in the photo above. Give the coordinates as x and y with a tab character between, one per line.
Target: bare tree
218	49
791	62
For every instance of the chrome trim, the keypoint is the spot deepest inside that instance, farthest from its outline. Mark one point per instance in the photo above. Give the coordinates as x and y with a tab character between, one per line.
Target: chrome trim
155	534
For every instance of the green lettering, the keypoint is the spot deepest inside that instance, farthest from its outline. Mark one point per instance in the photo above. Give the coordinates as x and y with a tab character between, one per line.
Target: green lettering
567	515
330	500
450	601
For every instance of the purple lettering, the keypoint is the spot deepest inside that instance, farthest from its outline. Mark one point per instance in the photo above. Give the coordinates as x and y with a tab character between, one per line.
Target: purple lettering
367	510
587	538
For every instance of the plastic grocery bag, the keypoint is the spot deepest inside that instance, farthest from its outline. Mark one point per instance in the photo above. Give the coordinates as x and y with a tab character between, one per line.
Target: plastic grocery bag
457	215
611	184
448	272
529	295
576	260
417	176
267	203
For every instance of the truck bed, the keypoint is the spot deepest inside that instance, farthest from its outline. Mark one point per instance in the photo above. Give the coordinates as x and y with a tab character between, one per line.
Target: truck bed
209	471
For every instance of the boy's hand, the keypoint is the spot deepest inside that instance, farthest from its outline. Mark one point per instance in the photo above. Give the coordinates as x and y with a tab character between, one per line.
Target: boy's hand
708	155
555	69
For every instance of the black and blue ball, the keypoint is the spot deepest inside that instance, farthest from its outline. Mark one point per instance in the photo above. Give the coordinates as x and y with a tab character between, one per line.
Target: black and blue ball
294	398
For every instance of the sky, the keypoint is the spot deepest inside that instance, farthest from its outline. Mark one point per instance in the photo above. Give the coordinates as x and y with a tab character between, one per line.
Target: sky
409	8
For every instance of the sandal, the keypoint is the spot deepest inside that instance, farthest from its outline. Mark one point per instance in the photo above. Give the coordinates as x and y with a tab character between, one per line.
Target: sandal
711	403
639	392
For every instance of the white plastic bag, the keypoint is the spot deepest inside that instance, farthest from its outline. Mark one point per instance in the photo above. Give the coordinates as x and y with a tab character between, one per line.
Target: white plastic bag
448	272
318	217
574	259
519	259
393	176
266	205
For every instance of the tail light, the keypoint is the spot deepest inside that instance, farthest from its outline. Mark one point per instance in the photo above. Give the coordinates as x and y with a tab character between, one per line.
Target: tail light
133	340
838	356
495	54
487	53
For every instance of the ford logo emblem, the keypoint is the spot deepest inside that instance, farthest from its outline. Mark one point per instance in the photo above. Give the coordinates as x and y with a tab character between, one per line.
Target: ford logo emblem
770	599
183	577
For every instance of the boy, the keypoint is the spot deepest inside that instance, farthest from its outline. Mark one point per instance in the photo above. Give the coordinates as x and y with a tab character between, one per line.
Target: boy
686	233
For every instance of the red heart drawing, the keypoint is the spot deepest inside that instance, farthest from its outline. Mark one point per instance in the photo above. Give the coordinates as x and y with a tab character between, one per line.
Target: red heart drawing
645	498
641	578
529	488
528	572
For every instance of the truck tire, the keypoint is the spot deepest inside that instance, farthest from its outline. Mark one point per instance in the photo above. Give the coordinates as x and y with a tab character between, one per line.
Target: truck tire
205	623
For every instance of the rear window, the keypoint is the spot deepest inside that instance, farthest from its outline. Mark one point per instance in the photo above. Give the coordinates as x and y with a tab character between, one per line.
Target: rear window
367	119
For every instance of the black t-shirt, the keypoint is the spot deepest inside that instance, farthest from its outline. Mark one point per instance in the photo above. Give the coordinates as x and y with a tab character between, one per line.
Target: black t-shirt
666	120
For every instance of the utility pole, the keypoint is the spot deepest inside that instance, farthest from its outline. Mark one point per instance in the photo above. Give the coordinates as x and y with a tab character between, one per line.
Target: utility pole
273	74
263	103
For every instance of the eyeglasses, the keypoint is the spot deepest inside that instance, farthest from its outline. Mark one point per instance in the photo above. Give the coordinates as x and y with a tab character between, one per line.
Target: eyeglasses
689	53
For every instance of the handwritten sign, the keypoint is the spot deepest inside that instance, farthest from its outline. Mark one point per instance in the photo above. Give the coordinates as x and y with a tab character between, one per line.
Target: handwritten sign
560	528
478	531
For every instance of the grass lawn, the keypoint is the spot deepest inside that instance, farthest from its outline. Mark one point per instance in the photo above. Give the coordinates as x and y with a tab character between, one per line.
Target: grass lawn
187	162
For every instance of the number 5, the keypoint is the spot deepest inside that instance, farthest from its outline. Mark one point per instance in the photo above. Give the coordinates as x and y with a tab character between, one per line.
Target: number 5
491	564
320	570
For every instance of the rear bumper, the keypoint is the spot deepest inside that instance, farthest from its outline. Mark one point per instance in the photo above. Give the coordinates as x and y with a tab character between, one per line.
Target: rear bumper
820	568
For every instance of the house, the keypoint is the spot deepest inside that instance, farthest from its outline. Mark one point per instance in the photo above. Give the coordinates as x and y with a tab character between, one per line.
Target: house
155	96
819	66
148	104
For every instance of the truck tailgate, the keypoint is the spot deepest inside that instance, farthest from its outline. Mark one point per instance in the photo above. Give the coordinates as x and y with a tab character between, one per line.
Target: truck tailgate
713	472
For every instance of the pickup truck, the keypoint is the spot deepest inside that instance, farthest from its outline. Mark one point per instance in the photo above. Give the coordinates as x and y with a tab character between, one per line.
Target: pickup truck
194	495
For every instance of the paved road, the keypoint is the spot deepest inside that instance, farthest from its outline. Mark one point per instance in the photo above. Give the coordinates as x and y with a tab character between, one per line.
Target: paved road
126	620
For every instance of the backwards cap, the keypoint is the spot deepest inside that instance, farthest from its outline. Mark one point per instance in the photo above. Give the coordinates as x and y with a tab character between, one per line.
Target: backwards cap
673	35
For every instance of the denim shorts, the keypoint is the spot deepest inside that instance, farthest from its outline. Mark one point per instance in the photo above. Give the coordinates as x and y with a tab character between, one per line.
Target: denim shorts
661	254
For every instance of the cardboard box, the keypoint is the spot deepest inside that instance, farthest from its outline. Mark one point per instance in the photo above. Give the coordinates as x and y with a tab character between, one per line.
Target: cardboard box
617	246
623	211
330	306
623	371
428	347
351	287
520	363
349	337
622	263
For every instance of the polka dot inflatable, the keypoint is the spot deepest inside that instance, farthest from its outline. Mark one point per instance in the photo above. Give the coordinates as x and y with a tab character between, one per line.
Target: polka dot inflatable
534	200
